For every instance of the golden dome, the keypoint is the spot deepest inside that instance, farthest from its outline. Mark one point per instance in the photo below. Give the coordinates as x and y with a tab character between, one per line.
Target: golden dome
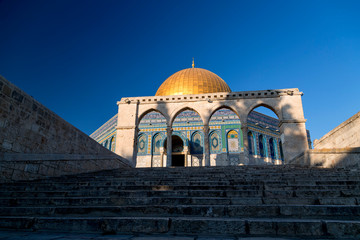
192	81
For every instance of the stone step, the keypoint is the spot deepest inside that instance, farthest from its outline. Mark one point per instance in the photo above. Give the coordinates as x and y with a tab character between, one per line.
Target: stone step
111	201
269	211
265	187
186	182
183	175
190	193
140	193
274	227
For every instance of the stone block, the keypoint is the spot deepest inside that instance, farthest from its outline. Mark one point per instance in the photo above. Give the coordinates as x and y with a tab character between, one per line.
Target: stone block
31	168
7	145
6	90
262	227
208	226
17	96
309	228
343	229
165	238
285	228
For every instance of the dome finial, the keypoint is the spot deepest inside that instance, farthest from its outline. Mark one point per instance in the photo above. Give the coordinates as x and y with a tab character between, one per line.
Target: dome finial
193	63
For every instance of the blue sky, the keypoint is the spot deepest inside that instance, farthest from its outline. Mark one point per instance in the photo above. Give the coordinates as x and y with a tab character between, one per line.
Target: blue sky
78	57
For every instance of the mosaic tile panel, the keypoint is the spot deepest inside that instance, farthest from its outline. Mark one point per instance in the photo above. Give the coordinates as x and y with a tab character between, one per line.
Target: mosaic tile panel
196	144
233	141
142	144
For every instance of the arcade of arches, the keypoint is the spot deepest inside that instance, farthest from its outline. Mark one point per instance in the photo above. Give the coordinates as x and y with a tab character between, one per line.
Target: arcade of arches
225	137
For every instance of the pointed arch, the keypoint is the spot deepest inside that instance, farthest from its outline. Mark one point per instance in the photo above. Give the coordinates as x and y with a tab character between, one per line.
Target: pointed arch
143	114
182	109
219	107
276	111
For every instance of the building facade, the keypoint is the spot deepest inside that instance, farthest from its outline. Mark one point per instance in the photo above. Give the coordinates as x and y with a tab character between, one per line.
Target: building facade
195	120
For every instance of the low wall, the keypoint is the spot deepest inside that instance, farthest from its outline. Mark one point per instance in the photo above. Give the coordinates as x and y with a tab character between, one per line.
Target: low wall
27	126
329	158
347	134
15	167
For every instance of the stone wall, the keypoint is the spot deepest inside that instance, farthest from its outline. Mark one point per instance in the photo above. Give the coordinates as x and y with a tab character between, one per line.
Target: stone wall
329	158
36	143
345	135
26	126
15	166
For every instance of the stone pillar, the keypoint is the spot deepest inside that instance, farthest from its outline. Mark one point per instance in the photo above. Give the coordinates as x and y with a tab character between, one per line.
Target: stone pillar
126	131
293	138
162	156
206	144
244	129
292	124
186	153
168	146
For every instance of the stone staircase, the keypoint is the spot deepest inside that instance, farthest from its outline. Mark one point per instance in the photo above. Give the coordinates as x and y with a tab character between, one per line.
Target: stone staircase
281	201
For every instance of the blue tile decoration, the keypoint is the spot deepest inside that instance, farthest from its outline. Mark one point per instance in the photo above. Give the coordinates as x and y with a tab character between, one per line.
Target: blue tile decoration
189	126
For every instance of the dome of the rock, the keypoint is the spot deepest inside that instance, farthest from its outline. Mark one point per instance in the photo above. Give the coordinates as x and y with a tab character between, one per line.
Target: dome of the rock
192	81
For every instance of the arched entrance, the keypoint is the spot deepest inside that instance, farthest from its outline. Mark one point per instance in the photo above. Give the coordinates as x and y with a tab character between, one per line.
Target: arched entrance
177	156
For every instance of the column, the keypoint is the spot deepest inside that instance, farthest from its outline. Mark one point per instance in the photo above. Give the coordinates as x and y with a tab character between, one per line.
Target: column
206	144
186	153
162	156
244	129
168	146
267	148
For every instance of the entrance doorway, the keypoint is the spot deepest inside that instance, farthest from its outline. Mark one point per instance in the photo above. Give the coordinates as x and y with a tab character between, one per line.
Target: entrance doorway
178	160
177	156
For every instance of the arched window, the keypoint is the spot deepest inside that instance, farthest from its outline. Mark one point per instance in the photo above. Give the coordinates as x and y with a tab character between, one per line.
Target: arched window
196	144
156	144
272	148
281	151
142	142
261	145
106	144
233	141
250	137
215	144
111	143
